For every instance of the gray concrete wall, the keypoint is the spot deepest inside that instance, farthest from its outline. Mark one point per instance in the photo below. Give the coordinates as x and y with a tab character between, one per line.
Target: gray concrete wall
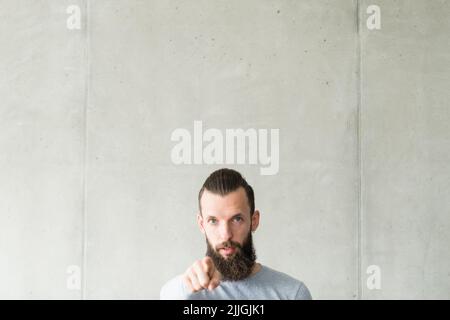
87	178
42	90
405	140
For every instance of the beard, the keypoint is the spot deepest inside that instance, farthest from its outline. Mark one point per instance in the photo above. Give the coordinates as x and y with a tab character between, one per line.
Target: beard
239	265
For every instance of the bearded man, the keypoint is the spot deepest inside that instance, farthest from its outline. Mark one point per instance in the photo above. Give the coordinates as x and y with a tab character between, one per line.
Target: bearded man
227	217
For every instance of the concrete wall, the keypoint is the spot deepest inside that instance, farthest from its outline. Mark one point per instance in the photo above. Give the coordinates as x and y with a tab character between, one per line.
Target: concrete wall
42	90
405	148
86	174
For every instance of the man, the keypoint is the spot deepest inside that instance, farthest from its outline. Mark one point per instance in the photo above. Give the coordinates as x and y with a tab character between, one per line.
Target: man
227	217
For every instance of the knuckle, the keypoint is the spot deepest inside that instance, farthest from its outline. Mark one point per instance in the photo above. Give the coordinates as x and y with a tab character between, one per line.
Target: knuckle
198	263
188	271
190	275
197	287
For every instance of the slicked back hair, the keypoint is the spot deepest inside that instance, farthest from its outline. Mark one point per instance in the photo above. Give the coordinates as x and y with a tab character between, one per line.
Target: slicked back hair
225	181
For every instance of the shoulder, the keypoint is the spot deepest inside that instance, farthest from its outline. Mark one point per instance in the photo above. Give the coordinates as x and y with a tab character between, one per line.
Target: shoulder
298	289
303	292
173	289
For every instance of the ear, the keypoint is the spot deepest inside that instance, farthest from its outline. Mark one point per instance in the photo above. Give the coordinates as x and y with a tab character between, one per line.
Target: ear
255	220
200	222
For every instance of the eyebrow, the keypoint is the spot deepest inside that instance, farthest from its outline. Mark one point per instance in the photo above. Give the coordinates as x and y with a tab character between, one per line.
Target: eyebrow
236	215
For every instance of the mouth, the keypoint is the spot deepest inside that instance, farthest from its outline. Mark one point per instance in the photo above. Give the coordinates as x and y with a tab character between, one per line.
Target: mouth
228	251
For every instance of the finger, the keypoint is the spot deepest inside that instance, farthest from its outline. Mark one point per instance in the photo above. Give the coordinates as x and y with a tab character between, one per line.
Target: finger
188	283
213	284
217	276
193	277
215	280
209	266
202	275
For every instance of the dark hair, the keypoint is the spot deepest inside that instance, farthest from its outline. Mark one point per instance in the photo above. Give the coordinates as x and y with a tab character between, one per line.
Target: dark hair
224	181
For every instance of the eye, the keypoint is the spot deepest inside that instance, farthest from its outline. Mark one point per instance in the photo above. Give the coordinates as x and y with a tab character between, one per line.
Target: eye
238	219
212	221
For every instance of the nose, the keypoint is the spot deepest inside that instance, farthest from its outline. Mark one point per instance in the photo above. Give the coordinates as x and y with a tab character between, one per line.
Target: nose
225	232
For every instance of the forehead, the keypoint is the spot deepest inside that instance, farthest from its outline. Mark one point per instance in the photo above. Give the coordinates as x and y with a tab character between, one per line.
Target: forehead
223	206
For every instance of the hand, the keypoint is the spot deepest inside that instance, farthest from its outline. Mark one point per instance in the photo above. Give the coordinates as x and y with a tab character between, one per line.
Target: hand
202	275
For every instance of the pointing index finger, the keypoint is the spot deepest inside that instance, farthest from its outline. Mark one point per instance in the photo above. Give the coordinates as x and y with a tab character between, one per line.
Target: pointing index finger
209	266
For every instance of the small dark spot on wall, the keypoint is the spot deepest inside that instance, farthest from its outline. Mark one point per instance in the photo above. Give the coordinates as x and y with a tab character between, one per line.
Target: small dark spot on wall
278	11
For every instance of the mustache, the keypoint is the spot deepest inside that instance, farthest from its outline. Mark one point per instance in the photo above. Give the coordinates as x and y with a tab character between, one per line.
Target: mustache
229	244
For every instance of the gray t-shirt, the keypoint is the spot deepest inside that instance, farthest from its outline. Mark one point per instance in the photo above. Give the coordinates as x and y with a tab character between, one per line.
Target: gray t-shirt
266	284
